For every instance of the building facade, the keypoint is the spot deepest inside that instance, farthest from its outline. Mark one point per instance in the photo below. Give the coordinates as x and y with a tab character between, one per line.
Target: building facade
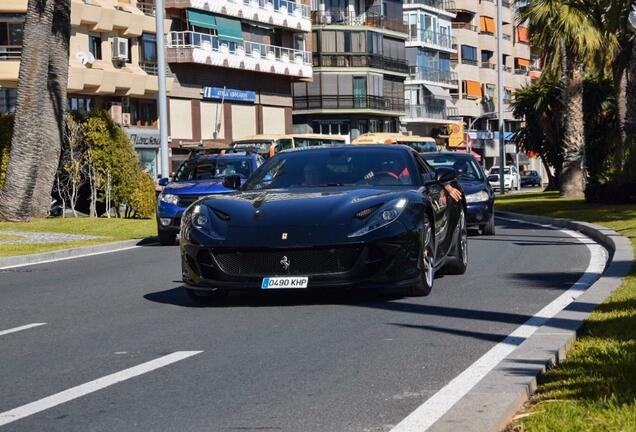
360	66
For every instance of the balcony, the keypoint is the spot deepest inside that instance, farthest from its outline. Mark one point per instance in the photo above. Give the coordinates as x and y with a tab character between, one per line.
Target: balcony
465	26
292	15
348	103
370	18
10	52
147	7
432	110
488	65
433	39
193	47
346	60
435	75
445	5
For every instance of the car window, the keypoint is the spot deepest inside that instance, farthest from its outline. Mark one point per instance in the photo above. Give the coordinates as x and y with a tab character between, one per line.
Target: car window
335	167
466	168
206	169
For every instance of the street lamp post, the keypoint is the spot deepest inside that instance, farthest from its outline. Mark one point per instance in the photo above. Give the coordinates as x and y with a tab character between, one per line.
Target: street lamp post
162	97
500	95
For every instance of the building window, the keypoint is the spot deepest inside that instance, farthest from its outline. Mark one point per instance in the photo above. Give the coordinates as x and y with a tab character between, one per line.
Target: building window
487	25
11	29
143	113
7	100
469	54
148	53
95	46
81	104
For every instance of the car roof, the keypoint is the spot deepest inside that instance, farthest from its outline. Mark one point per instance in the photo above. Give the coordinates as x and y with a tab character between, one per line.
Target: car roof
357	147
446	153
224	156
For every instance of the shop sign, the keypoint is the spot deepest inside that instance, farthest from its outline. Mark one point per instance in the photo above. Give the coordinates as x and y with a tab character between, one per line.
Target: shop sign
229	94
144	138
455	135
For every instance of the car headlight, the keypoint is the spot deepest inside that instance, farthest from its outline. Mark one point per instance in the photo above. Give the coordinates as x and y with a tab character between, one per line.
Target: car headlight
201	219
382	217
476	197
169	198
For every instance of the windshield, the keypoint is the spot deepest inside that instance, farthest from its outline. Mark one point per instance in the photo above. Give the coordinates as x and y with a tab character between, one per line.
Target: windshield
259	145
466	168
330	167
495	170
206	169
422	147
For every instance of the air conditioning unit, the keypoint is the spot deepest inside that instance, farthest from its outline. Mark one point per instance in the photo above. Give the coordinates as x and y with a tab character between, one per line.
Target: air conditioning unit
120	49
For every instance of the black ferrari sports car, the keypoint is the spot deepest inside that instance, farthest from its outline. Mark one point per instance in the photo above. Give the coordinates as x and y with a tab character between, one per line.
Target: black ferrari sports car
374	216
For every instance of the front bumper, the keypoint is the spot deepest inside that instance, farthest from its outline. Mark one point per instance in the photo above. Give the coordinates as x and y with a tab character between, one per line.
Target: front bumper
479	213
390	263
173	213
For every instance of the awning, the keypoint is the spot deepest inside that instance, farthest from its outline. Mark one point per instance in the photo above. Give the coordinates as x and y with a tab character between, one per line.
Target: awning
229	29
473	88
201	19
438	92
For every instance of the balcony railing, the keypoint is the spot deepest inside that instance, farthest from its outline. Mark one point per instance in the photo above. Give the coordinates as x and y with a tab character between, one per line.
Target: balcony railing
433	109
443	40
465	26
437	4
209	49
488	65
360	60
284	13
10	52
521	71
470	62
371	17
348	102
146	6
432	74
149	67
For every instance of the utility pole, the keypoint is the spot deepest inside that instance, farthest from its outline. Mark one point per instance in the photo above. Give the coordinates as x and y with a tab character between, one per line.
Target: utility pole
500	95
162	98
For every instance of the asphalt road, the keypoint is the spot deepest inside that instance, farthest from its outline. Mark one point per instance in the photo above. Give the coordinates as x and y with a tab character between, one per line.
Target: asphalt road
270	361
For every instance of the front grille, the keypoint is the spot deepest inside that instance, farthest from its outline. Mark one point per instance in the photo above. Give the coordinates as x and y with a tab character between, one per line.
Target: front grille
301	261
186	200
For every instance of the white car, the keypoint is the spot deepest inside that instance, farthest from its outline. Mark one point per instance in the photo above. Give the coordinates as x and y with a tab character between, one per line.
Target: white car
512	179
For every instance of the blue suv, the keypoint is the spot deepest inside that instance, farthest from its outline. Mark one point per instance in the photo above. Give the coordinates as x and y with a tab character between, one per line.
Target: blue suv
198	176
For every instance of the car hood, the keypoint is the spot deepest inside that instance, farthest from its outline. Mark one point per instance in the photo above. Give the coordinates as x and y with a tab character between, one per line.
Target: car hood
470	187
203	187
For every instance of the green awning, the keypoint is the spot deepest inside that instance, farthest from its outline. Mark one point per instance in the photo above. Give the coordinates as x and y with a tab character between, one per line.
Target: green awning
229	29
202	19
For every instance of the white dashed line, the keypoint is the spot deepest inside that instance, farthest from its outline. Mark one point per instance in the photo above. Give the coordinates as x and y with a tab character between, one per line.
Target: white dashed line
17	329
92	386
437	405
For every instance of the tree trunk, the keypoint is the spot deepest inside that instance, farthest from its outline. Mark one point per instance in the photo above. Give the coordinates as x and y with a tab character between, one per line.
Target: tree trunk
573	178
620	93
41	102
629	151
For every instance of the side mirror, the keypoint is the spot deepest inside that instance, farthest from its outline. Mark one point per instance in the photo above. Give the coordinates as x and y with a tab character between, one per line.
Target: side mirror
232	182
164	181
445	175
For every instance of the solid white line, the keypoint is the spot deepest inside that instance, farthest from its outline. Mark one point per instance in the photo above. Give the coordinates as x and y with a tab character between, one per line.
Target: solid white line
17	329
441	402
70	257
92	386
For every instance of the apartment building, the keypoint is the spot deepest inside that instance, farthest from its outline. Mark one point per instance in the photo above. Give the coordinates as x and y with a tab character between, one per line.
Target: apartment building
430	50
233	64
360	65
112	65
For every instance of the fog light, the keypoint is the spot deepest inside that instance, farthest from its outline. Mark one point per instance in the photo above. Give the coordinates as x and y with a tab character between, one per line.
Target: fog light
164	221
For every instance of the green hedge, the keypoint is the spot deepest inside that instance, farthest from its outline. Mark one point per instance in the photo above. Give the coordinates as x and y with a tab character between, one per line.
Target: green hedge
6	132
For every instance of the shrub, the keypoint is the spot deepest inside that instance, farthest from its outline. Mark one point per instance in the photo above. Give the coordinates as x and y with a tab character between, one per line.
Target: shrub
6	132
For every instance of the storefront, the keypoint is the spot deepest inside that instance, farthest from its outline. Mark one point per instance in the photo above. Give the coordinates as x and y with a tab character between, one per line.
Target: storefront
146	142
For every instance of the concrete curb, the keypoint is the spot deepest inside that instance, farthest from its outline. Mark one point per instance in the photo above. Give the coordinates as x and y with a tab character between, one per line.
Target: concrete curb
64	254
492	403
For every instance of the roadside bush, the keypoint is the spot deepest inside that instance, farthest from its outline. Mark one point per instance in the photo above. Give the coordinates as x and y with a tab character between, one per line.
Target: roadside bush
6	132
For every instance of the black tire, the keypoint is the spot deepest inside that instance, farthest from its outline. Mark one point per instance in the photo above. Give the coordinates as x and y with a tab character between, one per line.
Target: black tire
167	238
489	228
427	261
206	297
459	262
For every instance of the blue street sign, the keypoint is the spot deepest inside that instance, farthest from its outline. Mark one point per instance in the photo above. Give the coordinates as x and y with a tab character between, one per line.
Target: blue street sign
229	94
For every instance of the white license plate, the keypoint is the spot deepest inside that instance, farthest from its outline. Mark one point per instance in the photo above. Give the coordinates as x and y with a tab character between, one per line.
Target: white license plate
284	282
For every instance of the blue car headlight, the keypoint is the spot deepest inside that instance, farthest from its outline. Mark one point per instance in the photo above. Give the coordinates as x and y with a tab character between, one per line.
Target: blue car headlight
477	197
382	217
169	198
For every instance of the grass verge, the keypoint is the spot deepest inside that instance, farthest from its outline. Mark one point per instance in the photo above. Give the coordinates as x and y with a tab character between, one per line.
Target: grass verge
111	229
595	388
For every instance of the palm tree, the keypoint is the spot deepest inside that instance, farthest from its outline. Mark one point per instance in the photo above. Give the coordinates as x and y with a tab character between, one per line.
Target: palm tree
566	37
40	110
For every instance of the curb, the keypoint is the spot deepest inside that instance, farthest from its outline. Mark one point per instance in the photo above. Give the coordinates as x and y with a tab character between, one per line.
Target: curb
492	403
64	254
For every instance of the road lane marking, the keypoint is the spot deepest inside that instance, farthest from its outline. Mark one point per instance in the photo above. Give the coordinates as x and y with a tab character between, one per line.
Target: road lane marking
441	402
17	329
91	386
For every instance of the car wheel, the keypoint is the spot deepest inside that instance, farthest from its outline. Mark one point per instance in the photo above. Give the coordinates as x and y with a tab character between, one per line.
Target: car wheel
427	261
459	262
166	238
489	228
206	297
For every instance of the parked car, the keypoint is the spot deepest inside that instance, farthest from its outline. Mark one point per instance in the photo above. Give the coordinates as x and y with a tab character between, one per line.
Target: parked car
200	175
512	179
480	198
372	216
530	178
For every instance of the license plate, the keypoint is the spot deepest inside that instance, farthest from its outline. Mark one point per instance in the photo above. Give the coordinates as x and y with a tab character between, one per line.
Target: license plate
285	282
